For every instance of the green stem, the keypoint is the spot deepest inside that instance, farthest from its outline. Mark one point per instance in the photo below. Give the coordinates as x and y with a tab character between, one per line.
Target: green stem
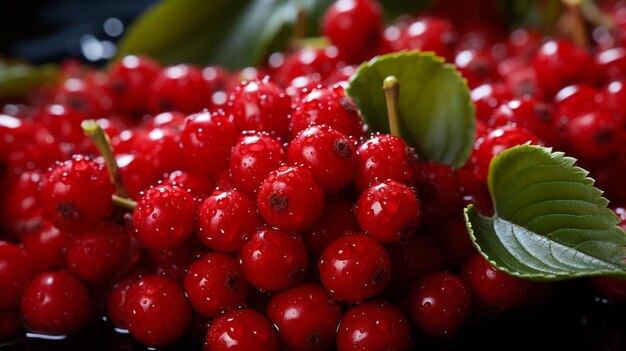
99	137
391	86
124	202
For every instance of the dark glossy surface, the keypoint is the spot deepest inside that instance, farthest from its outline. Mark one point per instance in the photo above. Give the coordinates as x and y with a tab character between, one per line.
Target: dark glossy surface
572	319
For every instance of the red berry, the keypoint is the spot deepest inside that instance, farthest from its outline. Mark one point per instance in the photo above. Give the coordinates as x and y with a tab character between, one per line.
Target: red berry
129	79
23	207
86	95
253	157
290	198
306	317
262	106
214	285
273	260
383	157
528	113
410	261
165	217
559	63
439	304
193	183
157	311
374	325
181	88
56	303
97	253
614	95
326	106
476	67
453	240
612	63
310	64
76	194
594	135
226	219
328	154
493	289
242	330
167	120
438	190
117	297
137	172
47	243
487	97
16	269
64	124
388	212
173	263
160	147
611	288
431	34
354	27
576	100
337	220
206	141
354	268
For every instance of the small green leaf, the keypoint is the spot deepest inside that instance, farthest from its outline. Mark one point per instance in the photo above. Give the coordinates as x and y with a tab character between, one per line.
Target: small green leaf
234	33
550	222
16	78
436	112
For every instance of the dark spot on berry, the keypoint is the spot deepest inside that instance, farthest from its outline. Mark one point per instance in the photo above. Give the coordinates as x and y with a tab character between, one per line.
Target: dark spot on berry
165	105
406	232
297	273
542	111
233	281
118	86
67	210
315	341
603	136
379	276
278	202
342	148
347	105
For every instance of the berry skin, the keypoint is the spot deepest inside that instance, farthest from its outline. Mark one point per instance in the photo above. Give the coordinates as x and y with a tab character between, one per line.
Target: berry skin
431	34
559	63
476	67
116	313
354	27
487	97
96	254
206	140
438	190
253	157
388	212
309	64
214	285
23	207
16	269
493	289
226	219
137	172
439	304
614	95
165	217
129	79
56	303
383	157
594	135
260	105
328	154
76	194
611	288
327	106
576	100
160	147
157	311
290	198
47	243
306	317
242	330
374	325
173	263
193	183
410	261
354	268
269	250
456	245
528	113
181	88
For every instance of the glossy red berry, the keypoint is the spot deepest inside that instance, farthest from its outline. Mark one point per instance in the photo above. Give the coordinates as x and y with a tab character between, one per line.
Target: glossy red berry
493	289
528	113
97	253
173	263
226	220
439	304
157	311
305	65
388	212
306	317
242	330
614	94
354	27
160	147
576	100
16	269
116	313
559	63
180	87
594	135
260	105
253	157
383	157
129	79
438	190
56	303
206	140
374	325
354	268
165	217
431	34
476	67
327	106
48	243
137	172
63	123
328	154
23	208
269	250
290	198
76	194
412	260
214	285
194	183
487	98
337	220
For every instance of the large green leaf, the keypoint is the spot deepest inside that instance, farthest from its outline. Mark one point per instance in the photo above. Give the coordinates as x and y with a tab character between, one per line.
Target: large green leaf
17	77
436	112
550	222
233	33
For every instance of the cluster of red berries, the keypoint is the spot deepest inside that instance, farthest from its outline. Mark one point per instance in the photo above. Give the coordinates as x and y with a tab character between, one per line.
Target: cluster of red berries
266	212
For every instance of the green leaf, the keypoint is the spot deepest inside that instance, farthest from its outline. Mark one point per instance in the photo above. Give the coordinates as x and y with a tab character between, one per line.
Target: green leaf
233	33
16	78
436	112
550	222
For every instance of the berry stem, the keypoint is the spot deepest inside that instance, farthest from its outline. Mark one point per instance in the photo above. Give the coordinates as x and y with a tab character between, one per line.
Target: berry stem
390	86
124	202
100	138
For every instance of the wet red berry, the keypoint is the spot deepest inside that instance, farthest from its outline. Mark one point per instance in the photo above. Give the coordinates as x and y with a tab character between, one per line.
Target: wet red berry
16	269
242	330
